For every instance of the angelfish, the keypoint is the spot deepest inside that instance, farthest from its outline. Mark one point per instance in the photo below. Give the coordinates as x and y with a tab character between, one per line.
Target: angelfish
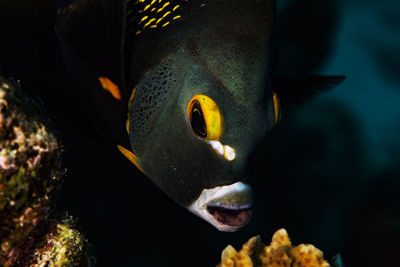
188	83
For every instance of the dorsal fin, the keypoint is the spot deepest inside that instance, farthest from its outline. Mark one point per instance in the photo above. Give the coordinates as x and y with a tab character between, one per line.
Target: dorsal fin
91	34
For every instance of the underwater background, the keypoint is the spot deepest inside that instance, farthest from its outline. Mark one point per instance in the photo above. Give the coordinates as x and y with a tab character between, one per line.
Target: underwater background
329	174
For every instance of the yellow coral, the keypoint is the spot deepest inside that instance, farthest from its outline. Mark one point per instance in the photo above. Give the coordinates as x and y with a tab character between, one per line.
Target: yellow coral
279	253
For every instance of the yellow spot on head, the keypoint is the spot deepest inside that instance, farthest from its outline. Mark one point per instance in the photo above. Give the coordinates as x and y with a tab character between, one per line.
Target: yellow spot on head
147	7
164	6
166	14
130	156
109	86
143	19
149	22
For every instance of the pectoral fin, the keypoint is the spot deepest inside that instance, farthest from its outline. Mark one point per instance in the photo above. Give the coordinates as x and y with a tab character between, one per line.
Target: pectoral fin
132	157
297	89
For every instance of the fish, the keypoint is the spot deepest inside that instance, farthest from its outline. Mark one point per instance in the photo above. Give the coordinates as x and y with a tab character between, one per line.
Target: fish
187	89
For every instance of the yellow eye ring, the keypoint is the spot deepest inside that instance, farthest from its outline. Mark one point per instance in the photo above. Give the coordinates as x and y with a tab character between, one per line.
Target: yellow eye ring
204	117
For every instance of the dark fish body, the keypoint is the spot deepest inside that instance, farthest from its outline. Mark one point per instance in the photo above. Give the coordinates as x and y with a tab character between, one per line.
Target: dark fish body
191	79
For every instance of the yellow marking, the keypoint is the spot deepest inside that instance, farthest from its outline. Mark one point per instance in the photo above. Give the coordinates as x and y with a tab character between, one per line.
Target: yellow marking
153	26
130	102
128	125
132	96
164	6
109	86
138	32
160	19
149	22
202	5
277	111
152	2
166	14
165	24
130	156
143	19
176	7
176	17
147	7
152	10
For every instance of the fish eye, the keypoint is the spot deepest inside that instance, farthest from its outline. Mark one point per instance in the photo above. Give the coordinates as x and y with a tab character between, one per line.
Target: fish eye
204	117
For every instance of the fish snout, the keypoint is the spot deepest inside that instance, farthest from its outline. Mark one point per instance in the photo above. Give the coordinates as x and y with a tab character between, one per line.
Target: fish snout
228	207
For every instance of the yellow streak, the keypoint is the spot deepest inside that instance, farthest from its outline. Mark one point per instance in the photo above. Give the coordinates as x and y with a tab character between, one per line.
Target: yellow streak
153	26
160	19
138	32
147	7
143	19
176	7
149	22
276	107
164	6
165	24
176	17
130	156
152	10
166	14
109	86
130	102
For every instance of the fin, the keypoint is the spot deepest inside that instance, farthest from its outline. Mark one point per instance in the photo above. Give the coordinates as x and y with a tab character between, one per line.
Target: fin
91	34
109	86
129	155
298	89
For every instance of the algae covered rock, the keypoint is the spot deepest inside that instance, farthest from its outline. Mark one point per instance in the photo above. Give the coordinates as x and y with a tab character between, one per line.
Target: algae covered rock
30	167
280	253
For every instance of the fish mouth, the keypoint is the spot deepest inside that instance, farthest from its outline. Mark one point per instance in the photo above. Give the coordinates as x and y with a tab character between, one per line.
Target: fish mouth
228	208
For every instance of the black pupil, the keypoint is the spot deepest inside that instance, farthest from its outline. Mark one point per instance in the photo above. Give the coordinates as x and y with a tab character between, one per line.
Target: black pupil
197	120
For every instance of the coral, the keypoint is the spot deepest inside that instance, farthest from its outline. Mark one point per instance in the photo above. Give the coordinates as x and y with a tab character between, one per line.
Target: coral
30	168
279	253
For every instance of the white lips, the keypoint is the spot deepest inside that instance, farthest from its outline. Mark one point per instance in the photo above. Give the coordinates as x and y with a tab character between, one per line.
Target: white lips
199	206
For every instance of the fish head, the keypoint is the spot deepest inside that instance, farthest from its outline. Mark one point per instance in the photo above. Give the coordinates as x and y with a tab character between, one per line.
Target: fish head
200	110
193	136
